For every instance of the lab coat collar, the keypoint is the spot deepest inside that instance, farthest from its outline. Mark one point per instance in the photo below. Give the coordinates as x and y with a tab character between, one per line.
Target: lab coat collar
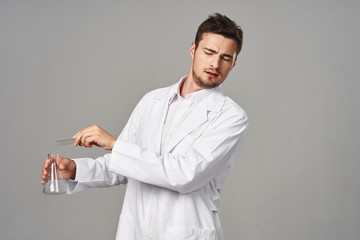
213	103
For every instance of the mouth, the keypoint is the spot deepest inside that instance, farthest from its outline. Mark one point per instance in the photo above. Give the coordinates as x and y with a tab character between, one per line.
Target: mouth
212	73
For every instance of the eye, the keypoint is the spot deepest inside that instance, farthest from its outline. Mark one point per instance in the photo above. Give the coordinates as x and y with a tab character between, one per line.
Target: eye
227	59
207	52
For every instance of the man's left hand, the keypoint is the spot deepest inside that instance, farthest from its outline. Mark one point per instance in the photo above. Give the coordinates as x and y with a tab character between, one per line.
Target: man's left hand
94	135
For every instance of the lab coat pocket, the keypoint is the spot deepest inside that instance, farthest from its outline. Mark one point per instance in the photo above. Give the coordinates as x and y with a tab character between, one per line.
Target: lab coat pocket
182	233
126	229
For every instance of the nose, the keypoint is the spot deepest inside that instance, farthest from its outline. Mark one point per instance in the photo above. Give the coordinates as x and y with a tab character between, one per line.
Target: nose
215	62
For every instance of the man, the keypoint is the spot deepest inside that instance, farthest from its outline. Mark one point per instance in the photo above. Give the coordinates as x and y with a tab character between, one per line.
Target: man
176	151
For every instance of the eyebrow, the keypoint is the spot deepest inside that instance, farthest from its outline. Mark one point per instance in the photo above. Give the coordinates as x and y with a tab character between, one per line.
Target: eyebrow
213	51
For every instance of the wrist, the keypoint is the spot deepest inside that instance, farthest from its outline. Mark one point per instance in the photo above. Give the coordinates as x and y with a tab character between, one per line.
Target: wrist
113	143
73	176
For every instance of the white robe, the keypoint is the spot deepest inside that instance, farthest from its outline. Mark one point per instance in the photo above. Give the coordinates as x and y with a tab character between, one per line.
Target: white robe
174	195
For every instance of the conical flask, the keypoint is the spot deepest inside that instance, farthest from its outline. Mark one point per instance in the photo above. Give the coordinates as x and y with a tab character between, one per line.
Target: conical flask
54	182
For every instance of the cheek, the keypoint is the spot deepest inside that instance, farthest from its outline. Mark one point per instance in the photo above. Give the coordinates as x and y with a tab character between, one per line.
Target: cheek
202	58
198	62
226	68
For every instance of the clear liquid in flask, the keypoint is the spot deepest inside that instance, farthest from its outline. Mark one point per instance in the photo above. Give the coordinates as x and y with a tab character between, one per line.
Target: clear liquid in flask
54	182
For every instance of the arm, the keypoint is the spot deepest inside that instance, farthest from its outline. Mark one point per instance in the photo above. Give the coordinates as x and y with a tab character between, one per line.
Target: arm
85	173
93	173
208	156
90	172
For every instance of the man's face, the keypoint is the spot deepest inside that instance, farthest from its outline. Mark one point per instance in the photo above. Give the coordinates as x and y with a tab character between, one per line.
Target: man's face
213	59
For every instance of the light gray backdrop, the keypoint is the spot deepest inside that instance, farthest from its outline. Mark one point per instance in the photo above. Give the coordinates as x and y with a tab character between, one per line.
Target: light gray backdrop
65	65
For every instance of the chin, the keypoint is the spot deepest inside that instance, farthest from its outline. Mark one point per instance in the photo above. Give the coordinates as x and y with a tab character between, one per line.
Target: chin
207	84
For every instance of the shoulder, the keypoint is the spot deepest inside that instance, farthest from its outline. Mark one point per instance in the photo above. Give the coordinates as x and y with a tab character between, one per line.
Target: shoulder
234	113
153	97
232	107
226	112
224	105
159	93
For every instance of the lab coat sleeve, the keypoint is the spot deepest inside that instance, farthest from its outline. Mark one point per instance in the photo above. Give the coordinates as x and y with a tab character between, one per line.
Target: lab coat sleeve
92	173
208	156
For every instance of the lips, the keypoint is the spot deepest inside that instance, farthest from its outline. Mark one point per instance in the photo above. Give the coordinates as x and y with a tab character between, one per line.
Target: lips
212	73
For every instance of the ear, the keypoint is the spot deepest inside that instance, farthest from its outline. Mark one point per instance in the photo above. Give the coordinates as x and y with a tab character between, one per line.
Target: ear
234	63
192	50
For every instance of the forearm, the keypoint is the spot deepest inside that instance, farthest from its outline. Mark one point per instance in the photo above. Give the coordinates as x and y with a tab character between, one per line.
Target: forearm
179	172
94	173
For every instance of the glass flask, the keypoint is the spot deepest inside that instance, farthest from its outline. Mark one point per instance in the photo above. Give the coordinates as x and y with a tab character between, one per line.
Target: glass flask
54	182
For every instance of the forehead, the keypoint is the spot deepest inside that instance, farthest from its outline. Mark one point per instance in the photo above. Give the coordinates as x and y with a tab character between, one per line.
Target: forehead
218	43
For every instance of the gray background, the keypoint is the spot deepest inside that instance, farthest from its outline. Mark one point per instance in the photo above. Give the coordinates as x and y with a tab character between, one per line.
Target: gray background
65	65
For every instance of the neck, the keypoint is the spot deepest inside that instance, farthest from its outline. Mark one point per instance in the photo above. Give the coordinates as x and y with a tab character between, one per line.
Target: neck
189	86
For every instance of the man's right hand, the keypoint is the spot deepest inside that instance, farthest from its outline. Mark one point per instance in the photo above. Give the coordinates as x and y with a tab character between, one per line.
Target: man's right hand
66	166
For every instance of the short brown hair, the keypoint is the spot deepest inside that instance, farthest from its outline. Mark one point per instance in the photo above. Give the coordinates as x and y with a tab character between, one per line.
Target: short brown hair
220	24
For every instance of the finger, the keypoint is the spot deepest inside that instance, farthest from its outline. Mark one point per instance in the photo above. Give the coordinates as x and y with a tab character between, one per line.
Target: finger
76	135
44	171
45	168
79	135
90	140
82	139
88	137
46	163
64	163
87	143
76	138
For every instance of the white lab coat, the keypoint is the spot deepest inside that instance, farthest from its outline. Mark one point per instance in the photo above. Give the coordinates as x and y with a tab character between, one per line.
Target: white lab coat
174	195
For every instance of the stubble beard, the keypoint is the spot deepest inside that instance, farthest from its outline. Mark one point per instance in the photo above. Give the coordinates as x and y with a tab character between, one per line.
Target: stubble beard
203	83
